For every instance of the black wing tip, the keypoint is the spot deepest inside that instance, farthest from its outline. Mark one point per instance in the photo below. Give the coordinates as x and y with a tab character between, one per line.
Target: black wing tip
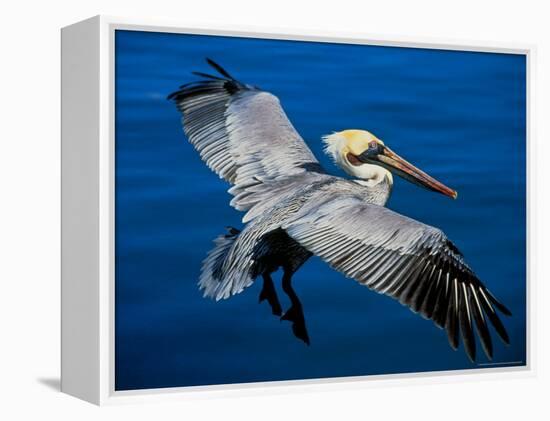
501	307
172	96
219	69
226	81
207	75
504	310
460	323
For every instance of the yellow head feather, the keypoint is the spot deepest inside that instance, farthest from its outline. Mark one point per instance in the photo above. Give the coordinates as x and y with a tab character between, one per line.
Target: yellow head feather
357	141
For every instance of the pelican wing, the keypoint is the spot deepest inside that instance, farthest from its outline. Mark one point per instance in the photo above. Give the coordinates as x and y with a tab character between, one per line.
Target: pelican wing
411	262
241	132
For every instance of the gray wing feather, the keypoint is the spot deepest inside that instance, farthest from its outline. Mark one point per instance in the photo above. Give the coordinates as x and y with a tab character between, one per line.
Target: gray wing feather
397	256
242	133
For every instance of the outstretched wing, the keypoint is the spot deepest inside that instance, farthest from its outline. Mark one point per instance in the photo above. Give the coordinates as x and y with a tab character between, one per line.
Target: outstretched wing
241	132
404	259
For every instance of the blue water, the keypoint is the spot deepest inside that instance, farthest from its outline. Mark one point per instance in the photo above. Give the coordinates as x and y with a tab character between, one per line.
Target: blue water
460	116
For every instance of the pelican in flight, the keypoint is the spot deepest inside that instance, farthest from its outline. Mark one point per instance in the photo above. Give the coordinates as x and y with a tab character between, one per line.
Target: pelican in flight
294	210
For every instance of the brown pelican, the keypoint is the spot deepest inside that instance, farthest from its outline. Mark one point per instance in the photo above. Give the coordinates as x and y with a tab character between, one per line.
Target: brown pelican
294	210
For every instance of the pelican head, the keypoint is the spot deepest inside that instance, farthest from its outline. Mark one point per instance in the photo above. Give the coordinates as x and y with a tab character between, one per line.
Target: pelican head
361	154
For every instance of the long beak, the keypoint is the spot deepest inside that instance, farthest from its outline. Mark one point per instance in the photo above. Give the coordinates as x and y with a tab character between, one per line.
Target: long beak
394	163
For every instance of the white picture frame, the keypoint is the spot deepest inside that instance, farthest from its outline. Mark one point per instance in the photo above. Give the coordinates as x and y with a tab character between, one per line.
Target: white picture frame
87	359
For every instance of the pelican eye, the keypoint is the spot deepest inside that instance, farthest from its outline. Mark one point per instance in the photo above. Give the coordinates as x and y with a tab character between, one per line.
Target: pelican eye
374	149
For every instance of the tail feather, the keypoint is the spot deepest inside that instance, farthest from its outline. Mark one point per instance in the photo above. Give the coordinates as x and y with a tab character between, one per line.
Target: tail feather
216	280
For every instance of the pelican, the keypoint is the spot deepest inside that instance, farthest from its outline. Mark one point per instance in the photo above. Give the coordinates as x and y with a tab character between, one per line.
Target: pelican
294	209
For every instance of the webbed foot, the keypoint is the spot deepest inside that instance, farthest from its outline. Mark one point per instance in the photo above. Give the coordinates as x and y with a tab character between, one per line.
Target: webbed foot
268	293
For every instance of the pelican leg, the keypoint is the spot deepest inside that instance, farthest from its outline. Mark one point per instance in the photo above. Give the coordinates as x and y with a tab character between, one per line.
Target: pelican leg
268	293
295	313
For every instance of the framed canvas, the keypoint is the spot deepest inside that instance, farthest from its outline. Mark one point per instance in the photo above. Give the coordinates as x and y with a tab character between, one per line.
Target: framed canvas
244	210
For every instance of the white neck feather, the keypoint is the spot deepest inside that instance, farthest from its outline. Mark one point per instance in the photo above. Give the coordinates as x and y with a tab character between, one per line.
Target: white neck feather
370	174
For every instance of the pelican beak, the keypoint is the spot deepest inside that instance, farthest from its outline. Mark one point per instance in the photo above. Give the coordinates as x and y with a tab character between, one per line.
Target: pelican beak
394	163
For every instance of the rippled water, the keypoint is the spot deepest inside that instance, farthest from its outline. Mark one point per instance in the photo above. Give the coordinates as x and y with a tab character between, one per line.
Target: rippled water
459	116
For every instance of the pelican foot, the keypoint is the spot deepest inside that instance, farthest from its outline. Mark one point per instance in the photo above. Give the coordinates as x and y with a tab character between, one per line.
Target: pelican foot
268	293
295	315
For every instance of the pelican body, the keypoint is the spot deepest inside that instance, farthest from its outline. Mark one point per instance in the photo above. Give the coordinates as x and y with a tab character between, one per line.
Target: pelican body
294	210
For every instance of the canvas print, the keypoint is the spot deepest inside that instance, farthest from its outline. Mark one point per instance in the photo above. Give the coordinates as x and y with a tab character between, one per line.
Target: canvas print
300	210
